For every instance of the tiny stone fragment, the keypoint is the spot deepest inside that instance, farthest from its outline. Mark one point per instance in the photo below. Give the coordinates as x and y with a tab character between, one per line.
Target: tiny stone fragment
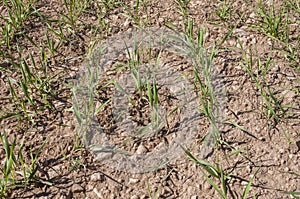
97	177
133	180
76	188
141	149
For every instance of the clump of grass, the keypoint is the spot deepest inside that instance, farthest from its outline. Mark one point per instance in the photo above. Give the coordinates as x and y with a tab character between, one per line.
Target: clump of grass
31	84
74	9
18	13
211	172
145	85
275	23
228	18
272	104
183	8
272	24
133	12
294	194
15	171
225	12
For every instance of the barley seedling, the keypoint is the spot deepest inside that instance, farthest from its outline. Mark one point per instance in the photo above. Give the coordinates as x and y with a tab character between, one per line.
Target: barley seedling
134	63
43	61
15	165
31	82
18	12
51	44
207	96
134	15
183	8
145	87
290	43
10	162
18	102
293	194
225	12
74	9
59	33
84	110
28	172
291	52
274	108
204	88
272	24
157	121
138	81
150	194
109	5
211	172
102	20
295	5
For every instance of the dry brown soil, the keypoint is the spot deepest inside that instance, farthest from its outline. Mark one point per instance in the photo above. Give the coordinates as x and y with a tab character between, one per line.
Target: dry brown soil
266	144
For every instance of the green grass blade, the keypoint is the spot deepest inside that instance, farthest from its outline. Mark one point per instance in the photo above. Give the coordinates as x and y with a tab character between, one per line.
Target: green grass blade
247	189
295	194
214	185
101	107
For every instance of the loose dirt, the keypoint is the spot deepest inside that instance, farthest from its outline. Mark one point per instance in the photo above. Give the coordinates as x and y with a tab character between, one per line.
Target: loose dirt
270	148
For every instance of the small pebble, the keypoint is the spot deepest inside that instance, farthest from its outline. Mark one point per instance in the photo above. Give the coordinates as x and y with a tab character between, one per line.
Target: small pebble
76	188
249	169
269	41
97	177
207	186
244	182
97	193
286	169
133	180
141	149
281	150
